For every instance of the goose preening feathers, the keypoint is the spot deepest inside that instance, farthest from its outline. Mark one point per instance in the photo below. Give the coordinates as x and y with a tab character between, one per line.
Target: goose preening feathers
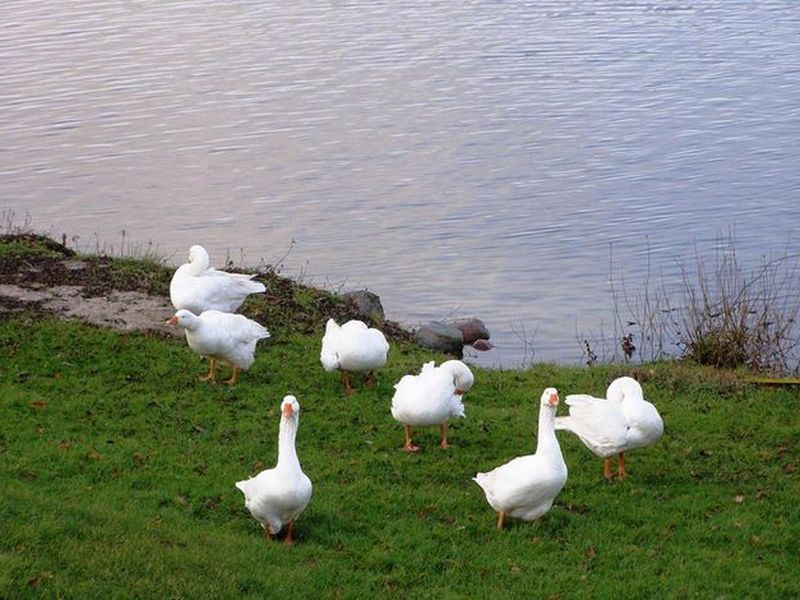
276	497
526	486
221	337
197	287
353	348
432	397
611	426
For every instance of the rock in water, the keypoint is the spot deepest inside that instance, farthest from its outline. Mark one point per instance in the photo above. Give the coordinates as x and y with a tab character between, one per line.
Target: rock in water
440	336
482	345
472	329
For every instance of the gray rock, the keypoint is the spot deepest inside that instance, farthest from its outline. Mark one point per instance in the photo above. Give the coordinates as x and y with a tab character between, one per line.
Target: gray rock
368	306
440	336
472	329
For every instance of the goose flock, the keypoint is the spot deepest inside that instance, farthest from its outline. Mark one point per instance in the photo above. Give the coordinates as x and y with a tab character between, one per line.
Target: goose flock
525	487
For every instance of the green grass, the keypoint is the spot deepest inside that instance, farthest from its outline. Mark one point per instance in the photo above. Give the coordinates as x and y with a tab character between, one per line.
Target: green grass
117	471
27	245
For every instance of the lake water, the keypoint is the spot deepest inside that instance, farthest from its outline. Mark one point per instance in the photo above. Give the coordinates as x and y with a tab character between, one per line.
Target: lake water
506	160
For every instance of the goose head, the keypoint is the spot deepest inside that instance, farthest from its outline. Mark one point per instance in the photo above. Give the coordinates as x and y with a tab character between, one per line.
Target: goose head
462	376
624	388
198	259
329	355
183	319
290	408
549	398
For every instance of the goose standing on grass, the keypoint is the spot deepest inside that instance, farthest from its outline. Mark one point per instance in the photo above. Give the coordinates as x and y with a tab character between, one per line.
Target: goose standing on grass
197	287
277	496
353	348
221	337
431	398
611	426
526	486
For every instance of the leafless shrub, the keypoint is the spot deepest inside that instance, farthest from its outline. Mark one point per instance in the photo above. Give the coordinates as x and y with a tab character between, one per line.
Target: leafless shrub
718	314
528	348
595	346
9	224
591	357
277	265
734	318
147	252
646	309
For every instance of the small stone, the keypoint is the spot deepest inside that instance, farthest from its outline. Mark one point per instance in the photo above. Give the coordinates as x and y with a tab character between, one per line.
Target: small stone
440	336
482	345
368	306
472	329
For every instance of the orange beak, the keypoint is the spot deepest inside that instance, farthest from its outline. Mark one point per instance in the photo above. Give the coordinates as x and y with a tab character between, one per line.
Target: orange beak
288	411
458	392
553	400
173	320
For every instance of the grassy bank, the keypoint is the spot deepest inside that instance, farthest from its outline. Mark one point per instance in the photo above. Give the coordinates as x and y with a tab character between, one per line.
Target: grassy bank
117	471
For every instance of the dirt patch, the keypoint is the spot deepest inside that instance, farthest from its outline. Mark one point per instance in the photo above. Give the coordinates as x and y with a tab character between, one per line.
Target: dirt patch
120	310
39	274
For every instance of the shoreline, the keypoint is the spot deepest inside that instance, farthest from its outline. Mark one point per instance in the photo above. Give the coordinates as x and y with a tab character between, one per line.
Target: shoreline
129	293
40	274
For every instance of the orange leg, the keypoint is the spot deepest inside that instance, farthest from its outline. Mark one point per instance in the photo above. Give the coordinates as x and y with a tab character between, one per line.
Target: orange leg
346	382
267	534
288	539
372	379
607	467
621	470
501	516
409	447
443	429
234	376
212	371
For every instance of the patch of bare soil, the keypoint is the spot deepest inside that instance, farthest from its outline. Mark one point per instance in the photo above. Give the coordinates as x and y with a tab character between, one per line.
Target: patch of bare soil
51	280
120	310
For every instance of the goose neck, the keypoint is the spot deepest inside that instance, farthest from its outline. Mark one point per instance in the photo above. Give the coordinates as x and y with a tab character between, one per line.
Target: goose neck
546	438
287	455
193	323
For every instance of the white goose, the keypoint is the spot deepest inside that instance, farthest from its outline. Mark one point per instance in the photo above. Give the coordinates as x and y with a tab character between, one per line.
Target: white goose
526	486
276	497
610	426
197	287
353	348
221	337
431	398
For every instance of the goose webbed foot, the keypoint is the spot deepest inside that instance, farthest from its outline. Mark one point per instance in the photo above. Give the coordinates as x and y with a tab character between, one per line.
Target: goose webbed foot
234	376
212	371
348	388
443	444
409	447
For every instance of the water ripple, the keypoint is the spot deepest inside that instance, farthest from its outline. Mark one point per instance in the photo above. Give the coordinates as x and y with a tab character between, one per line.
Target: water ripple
472	158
